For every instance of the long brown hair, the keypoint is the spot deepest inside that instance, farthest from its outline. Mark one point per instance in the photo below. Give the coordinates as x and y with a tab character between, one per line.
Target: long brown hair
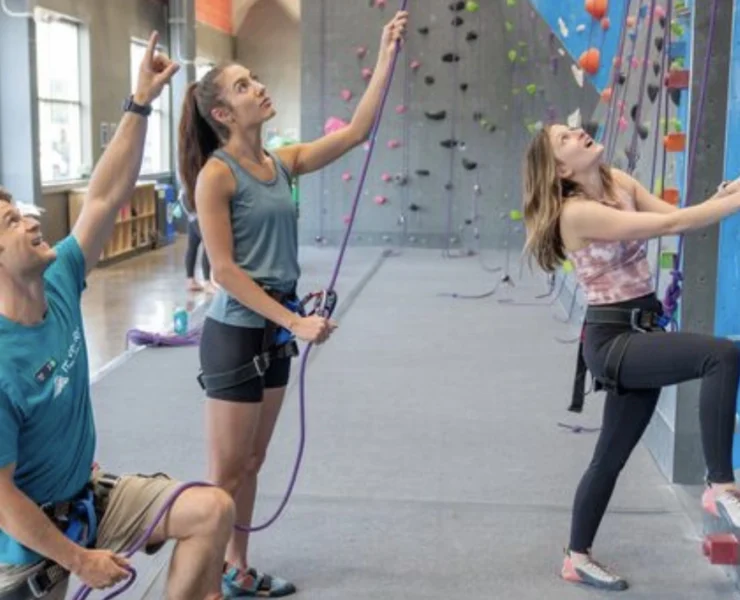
199	133
545	193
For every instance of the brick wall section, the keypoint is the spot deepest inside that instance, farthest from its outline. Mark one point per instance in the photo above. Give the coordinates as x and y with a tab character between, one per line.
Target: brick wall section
216	13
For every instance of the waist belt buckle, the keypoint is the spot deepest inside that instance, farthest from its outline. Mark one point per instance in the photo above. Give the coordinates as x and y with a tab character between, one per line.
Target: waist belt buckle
38	583
636	321
261	364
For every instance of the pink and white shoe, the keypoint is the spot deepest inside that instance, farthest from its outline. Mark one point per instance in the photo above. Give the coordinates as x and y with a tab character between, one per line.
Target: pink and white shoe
725	505
592	573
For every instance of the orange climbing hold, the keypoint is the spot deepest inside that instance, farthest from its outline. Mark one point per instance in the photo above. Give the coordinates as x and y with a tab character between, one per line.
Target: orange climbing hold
671	196
675	142
631	21
597	8
606	95
590	61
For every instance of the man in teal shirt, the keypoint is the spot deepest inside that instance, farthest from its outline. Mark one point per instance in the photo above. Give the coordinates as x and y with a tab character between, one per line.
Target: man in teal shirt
47	431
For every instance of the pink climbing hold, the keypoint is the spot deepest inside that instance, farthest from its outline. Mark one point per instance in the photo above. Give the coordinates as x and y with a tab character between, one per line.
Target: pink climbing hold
347	176
346	95
617	61
367	73
623	124
380	3
334	124
659	12
380	200
386	177
361	51
366	146
346	219
401	109
415	64
636	63
393	144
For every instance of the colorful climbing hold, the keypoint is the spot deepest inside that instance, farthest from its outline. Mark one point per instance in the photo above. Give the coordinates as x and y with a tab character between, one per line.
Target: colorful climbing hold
393	144
606	23
623	124
515	215
334	124
509	26
386	177
401	109
361	51
347	176
415	64
597	8
590	60
513	55
631	21
531	89
380	200
472	6
567	266
606	95
367	73
346	95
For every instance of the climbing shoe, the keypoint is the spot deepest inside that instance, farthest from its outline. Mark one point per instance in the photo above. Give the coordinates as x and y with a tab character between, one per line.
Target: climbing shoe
250	583
593	574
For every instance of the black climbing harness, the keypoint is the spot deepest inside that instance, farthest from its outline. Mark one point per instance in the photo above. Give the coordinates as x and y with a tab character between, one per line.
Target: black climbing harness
638	321
277	342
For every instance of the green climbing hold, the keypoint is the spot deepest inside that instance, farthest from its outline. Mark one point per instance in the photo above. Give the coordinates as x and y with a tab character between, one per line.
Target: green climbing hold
677	29
516	215
567	266
509	26
472	6
676	125
515	92
531	89
658	189
510	2
513	55
532	128
523	59
666	260
522	44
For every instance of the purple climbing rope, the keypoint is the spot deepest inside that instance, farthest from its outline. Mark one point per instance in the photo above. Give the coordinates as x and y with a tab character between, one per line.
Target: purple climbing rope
84	591
673	292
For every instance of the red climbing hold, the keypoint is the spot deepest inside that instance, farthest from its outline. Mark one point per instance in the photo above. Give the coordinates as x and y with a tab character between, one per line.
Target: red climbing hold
590	60
597	8
606	23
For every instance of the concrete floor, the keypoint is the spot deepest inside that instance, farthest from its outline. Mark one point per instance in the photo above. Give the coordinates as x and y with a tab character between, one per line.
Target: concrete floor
435	466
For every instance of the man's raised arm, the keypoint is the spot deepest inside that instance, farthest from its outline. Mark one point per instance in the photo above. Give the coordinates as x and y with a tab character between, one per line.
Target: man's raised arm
114	177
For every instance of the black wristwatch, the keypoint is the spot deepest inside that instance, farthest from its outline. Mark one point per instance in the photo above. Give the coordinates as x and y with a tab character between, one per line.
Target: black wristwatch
130	106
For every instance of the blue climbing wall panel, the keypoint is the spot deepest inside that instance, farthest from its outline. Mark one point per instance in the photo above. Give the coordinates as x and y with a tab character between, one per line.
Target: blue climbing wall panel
727	317
573	14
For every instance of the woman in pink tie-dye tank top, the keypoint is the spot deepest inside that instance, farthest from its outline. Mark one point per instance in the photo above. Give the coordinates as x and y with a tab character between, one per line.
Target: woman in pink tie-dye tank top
601	218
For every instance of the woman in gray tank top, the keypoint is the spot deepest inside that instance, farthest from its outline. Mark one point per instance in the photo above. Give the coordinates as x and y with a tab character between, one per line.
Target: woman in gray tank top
248	220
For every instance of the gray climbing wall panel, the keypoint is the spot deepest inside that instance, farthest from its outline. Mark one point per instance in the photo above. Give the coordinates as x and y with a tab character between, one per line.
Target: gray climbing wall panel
497	90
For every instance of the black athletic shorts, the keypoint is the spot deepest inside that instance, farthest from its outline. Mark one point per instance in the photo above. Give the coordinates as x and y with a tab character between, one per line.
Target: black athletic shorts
224	348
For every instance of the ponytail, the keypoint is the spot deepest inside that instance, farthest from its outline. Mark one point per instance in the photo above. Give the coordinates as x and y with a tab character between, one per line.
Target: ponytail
197	140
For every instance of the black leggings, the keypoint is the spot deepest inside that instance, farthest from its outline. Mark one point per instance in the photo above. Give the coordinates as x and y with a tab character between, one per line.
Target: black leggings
651	361
194	239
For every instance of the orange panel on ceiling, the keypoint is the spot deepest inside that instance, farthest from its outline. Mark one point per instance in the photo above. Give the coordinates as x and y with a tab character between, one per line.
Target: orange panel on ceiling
216	13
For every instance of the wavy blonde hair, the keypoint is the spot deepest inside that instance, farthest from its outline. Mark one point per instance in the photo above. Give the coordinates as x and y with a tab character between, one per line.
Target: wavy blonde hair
545	194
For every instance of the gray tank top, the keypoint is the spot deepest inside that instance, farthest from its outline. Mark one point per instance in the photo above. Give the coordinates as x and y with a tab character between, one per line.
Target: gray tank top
264	222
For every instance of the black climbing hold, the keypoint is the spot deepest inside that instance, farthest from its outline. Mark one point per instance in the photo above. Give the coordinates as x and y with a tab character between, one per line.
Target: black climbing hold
468	221
491	128
414	207
429	80
464	87
472	36
423	30
675	96
450	57
633	112
652	91
643	132
448	143
457	6
449	186
591	128
422	172
457	21
621	79
662	21
656	68
440	115
477	116
401	179
659	44
469	165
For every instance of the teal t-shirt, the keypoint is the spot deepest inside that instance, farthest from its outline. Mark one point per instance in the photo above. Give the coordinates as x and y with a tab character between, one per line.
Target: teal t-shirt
46	419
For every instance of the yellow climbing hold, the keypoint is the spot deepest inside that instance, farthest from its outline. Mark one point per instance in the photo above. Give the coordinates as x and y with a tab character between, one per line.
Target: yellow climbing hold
516	215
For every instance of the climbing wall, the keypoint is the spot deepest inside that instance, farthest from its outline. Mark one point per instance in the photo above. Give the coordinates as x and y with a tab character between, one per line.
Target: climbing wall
473	84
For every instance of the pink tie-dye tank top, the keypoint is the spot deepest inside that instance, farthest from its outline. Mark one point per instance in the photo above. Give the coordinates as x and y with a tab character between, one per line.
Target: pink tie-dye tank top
612	272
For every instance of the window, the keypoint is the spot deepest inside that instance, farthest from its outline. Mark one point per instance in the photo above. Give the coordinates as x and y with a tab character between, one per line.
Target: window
157	149
59	77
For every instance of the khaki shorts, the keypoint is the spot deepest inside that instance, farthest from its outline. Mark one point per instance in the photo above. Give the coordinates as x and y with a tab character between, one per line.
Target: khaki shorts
132	506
